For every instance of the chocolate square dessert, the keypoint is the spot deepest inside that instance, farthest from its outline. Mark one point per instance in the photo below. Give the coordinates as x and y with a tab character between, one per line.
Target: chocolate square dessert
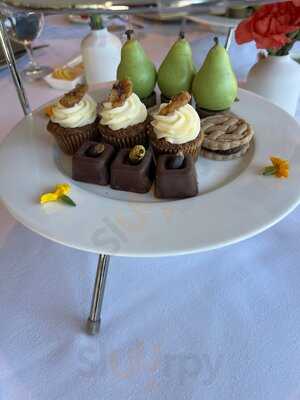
175	180
132	177
91	163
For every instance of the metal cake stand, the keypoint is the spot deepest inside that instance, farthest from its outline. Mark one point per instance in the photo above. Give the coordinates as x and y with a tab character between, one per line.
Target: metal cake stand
90	7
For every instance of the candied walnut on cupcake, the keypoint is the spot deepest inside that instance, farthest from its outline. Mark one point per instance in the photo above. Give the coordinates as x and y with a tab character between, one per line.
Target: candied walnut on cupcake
73	120
176	128
123	118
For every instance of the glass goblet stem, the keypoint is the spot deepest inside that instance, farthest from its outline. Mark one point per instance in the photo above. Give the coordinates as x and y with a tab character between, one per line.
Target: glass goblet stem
32	62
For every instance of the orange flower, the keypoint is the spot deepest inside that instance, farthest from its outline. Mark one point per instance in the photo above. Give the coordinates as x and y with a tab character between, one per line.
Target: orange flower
48	111
282	167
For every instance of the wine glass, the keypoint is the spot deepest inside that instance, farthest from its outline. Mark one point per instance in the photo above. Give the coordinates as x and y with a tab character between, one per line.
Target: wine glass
24	28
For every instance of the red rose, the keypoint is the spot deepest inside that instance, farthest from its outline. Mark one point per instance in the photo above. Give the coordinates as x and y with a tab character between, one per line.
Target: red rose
296	3
269	25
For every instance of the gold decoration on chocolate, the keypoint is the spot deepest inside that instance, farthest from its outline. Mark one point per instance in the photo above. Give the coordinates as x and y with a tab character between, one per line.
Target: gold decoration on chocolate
180	100
136	154
74	96
121	90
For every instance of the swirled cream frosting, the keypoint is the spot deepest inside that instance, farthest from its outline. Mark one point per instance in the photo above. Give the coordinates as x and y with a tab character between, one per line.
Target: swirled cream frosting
181	126
132	112
81	114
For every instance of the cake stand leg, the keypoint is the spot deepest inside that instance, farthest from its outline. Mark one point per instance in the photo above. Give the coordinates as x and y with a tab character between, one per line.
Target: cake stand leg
94	320
11	62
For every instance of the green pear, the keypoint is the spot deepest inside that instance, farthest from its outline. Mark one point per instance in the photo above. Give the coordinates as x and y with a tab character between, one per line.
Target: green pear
215	84
136	66
177	71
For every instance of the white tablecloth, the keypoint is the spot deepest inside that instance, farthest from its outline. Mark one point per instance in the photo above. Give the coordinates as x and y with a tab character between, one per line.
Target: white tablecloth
218	325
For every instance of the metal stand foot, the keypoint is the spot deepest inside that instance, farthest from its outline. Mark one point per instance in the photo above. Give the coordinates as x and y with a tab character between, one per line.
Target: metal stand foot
94	320
11	62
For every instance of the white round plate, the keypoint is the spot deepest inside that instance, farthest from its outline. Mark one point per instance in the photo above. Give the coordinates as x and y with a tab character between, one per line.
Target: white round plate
234	203
215	21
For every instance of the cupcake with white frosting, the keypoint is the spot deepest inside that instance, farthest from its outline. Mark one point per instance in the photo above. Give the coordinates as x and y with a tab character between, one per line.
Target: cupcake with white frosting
73	120
176	127
123	118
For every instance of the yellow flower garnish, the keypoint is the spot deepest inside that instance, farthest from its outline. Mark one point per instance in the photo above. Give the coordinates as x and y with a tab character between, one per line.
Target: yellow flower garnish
280	168
47	197
60	192
63	188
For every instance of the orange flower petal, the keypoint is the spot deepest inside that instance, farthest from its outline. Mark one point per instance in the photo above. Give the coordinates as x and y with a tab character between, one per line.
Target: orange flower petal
282	167
48	111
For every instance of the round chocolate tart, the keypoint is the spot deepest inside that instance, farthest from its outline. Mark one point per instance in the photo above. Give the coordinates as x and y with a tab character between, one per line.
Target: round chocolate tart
128	137
71	139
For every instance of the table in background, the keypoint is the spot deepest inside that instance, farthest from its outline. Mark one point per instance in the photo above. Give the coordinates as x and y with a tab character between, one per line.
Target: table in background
218	325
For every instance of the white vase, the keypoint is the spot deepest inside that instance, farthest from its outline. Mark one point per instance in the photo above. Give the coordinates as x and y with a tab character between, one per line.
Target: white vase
276	78
101	53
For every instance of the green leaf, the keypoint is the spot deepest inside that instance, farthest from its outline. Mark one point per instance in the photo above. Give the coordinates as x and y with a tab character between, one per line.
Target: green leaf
67	200
271	170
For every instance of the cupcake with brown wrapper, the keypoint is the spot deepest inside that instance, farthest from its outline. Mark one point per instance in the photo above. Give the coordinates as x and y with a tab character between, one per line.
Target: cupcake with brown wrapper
123	118
73	120
176	127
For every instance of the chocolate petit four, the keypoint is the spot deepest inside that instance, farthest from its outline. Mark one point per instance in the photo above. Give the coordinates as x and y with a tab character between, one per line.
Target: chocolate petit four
133	170
176	177
91	163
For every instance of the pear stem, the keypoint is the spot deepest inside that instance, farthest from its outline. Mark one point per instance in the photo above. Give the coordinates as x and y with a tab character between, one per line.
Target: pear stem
216	40
129	34
181	35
